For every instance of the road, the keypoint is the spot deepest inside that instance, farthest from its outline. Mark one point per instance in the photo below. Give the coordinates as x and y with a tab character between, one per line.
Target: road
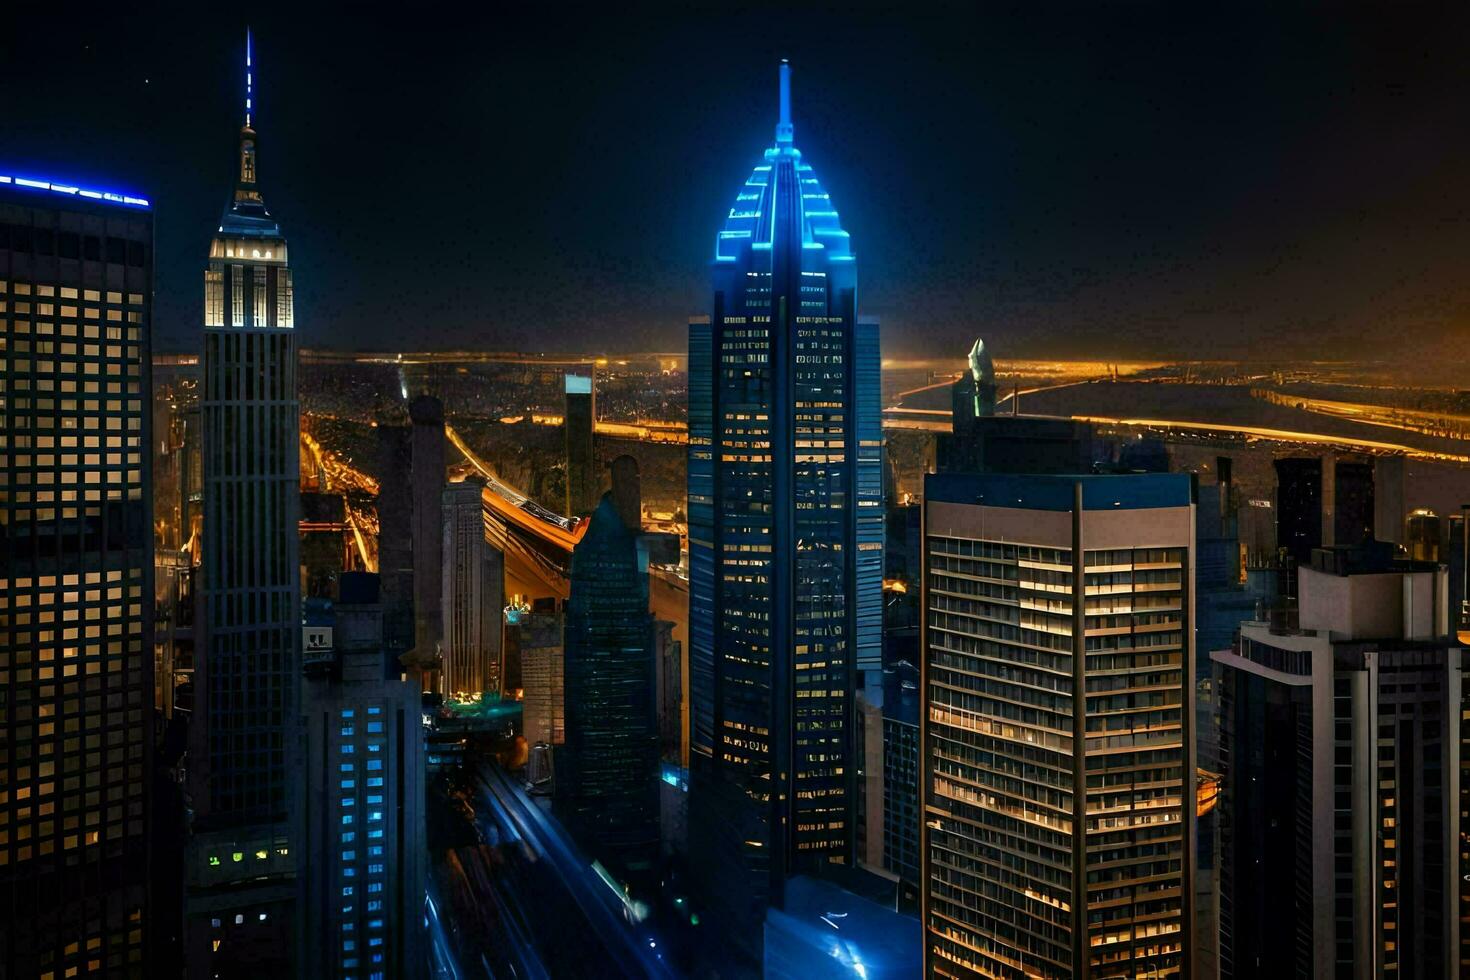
625	948
507	901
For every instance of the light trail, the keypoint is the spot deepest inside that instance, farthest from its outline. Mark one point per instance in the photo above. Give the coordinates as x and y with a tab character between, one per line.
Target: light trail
1279	435
514	507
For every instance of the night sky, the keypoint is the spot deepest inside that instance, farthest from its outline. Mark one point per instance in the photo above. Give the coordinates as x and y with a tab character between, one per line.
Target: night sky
1111	182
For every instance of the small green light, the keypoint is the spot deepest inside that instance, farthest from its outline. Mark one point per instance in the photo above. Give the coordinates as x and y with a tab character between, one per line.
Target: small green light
694	919
214	861
238	856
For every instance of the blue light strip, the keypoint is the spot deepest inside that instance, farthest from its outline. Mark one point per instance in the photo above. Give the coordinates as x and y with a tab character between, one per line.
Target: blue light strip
72	190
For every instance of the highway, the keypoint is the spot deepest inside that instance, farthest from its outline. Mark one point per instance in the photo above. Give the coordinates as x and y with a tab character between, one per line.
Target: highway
617	946
511	897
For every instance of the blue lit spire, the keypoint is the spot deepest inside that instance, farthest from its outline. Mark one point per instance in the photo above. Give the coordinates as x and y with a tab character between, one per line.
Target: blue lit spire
247	213
784	130
249	79
751	223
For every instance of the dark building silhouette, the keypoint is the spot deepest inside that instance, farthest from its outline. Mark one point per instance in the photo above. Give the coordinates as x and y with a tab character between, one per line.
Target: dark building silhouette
1353	503
785	540
1343	809
580	422
244	761
395	541
76	584
609	782
1299	507
427	479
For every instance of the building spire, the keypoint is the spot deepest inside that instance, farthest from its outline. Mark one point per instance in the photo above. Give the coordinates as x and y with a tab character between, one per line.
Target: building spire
249	79
245	187
784	133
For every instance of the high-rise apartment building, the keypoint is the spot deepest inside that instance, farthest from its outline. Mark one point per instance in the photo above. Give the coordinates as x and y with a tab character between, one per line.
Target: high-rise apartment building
365	805
474	578
1345	745
580	421
76	580
785	538
1056	737
609	781
244	752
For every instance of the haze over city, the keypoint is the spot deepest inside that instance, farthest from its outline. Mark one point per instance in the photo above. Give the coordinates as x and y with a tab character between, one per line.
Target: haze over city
1117	182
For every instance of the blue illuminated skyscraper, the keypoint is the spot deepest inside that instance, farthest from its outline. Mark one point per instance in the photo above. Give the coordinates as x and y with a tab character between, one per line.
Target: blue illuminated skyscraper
785	537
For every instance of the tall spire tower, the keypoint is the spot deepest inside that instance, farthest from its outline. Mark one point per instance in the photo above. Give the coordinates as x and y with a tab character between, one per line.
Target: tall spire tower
243	741
785	537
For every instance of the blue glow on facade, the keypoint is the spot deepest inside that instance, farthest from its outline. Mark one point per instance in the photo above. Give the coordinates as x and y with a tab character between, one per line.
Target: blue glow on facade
785	537
72	190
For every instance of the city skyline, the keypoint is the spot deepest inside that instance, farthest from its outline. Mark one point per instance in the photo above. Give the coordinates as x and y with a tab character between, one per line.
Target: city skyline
1119	183
1140	646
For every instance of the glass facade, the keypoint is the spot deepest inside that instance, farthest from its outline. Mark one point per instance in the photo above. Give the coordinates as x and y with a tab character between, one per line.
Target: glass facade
1056	828
785	533
76	581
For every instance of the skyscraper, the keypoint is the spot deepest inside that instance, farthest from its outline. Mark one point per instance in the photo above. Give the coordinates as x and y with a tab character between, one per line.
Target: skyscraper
785	537
244	755
580	421
474	577
76	580
1056	735
610	779
1345	745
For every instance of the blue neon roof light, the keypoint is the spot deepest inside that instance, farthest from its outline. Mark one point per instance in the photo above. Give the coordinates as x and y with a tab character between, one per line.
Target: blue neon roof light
821	227
73	190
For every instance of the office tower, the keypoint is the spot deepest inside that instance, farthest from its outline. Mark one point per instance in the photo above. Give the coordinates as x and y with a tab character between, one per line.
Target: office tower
244	763
669	656
1299	507
1388	498
365	791
76	580
427	481
610	779
785	538
1422	534
974	394
474	577
1057	833
1353	505
580	421
1346	750
395	540
543	701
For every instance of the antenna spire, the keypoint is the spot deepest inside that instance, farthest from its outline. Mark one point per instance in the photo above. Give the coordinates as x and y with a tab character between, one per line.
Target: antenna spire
249	79
784	132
